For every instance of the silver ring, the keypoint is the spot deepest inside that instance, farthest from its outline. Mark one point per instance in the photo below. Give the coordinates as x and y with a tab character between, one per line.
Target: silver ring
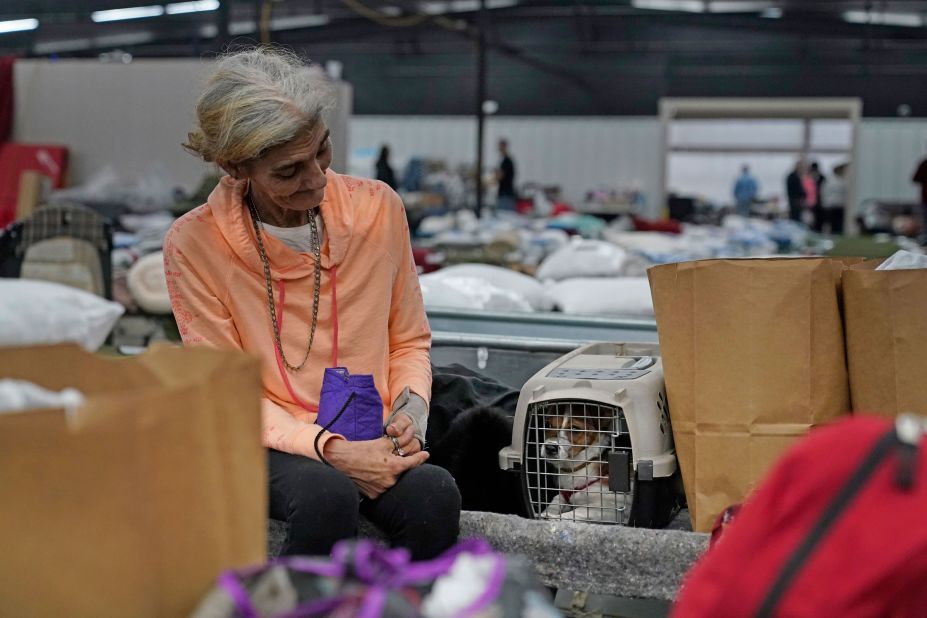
395	442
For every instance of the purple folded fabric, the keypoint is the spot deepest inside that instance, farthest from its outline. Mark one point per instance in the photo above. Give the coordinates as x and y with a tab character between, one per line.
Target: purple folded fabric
356	418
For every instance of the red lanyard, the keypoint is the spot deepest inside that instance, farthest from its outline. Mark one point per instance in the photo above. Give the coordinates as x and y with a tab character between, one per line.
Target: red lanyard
280	312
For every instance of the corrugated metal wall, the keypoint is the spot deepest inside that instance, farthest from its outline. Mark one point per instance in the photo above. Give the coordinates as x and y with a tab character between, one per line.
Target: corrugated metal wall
582	153
889	151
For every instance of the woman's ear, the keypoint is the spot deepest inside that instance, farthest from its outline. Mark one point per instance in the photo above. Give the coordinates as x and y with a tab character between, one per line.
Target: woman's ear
233	170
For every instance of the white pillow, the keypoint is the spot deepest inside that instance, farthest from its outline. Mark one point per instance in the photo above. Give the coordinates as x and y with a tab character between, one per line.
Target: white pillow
439	294
148	284
613	296
39	312
528	288
583	258
469	293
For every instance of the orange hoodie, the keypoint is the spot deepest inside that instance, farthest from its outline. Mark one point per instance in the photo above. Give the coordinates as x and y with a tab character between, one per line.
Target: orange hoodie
216	282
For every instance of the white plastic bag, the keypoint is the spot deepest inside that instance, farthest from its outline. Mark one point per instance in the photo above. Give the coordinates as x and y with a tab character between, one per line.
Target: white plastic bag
461	587
583	258
39	312
904	260
150	192
527	288
612	296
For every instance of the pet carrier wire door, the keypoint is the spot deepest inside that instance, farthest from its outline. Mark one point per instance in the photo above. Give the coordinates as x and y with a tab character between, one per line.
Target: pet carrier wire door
592	439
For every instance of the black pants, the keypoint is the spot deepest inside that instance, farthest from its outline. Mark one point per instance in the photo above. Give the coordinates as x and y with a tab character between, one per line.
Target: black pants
322	506
819	218
795	209
833	219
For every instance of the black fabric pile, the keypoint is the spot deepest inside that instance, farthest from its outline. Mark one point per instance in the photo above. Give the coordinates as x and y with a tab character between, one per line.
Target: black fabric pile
469	422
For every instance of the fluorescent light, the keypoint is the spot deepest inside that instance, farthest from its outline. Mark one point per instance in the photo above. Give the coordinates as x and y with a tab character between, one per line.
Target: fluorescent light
18	25
766	8
197	6
391	11
118	40
687	6
137	12
501	4
299	21
238	28
883	18
739	6
57	47
209	31
440	7
72	45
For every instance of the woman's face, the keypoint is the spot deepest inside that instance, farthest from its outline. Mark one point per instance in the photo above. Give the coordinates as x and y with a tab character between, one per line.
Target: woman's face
292	175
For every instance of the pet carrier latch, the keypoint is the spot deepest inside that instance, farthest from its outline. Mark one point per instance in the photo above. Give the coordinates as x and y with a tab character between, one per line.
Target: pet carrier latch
645	470
509	458
619	471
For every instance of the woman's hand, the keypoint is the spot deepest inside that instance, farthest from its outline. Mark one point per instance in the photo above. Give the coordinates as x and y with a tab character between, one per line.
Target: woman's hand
403	430
409	411
371	464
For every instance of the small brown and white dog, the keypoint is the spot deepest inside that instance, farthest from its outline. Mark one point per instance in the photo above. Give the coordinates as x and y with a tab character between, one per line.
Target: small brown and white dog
575	448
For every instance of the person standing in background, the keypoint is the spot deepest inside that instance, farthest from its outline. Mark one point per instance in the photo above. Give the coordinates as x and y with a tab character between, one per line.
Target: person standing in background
811	192
817	205
795	190
834	199
920	177
384	169
505	175
745	192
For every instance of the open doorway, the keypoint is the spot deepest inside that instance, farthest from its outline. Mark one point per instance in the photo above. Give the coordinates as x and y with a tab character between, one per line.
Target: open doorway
707	142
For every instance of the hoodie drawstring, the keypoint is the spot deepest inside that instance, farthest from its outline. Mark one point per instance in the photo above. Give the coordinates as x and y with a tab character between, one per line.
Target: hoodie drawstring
280	312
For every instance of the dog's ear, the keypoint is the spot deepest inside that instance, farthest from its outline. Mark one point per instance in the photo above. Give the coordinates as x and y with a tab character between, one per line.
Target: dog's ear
552	421
601	422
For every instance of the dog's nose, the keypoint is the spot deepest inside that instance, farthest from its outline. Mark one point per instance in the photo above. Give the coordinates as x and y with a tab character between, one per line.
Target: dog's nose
550	450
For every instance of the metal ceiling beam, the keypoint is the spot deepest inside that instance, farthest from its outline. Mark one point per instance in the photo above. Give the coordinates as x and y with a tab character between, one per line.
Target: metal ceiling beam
825	38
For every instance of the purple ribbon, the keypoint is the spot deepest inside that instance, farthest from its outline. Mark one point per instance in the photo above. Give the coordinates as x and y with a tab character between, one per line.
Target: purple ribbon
377	567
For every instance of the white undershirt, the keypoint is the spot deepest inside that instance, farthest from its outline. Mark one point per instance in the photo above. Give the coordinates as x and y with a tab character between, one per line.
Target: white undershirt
299	238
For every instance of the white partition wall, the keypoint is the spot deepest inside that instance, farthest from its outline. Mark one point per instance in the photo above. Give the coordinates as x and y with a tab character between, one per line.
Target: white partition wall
128	116
889	151
578	154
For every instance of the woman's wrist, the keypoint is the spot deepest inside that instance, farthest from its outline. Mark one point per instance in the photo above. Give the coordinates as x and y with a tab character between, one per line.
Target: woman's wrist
335	450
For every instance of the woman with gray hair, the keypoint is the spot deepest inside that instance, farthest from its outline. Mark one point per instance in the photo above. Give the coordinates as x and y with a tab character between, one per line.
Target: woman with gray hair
312	272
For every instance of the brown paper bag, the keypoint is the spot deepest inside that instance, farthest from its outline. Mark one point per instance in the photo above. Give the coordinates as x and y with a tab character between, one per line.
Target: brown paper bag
753	357
133	504
886	335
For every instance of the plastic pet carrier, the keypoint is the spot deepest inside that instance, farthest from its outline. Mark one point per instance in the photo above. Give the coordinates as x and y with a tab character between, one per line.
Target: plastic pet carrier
592	439
61	243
